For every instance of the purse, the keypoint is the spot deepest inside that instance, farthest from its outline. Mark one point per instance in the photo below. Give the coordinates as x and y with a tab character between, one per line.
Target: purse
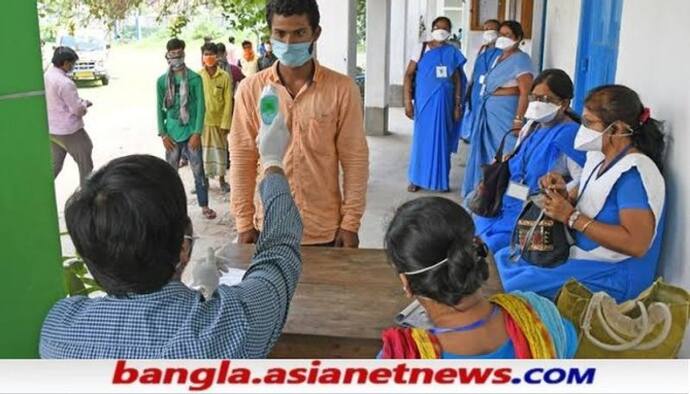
650	326
539	239
488	196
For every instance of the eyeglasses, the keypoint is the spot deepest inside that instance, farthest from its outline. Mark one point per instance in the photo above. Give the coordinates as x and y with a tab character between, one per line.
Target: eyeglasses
544	99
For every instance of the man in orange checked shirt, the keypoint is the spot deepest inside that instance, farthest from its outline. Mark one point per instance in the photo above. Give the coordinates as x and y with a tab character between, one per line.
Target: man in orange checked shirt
323	111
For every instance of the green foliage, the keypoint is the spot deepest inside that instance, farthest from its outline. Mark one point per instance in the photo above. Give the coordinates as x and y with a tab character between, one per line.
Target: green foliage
361	22
78	281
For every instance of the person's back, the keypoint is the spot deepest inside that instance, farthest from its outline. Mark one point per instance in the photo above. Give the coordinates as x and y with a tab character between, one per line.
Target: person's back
441	263
174	322
130	225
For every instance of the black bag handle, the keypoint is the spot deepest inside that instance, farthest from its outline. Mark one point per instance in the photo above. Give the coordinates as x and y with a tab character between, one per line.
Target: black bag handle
501	147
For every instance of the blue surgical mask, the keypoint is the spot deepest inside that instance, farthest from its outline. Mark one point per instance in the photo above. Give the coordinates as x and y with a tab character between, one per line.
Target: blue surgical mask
292	55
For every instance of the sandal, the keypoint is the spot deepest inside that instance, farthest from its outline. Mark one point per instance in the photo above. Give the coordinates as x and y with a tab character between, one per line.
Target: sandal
208	213
413	188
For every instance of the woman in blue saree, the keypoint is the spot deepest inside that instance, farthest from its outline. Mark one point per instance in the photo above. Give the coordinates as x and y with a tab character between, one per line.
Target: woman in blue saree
502	105
488	53
546	145
437	109
618	219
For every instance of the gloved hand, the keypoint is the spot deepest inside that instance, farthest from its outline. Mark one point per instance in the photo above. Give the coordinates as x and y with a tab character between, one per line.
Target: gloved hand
203	275
273	141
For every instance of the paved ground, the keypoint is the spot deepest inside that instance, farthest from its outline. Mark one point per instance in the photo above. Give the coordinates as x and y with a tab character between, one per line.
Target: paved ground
123	121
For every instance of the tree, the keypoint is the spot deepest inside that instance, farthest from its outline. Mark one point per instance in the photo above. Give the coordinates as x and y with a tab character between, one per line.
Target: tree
361	22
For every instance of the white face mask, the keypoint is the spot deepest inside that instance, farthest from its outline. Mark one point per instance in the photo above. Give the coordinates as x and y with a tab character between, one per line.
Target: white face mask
592	140
440	35
489	37
542	112
504	43
589	140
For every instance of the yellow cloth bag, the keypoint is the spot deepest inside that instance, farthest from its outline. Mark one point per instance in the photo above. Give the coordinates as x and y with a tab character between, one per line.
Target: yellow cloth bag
650	326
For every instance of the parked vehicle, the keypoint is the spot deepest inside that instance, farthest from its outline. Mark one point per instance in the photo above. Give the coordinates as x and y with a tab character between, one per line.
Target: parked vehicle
93	54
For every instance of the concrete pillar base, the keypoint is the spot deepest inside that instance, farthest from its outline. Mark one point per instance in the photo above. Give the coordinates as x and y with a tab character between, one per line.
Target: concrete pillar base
376	121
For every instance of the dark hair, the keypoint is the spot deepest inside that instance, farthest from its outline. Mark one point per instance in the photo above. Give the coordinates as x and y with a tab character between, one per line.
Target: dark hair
515	27
613	103
246	42
428	230
561	85
221	47
174	44
231	40
62	55
310	8
209	47
127	222
493	21
442	18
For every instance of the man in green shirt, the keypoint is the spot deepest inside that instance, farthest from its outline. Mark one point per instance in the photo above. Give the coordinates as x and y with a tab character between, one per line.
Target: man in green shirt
181	111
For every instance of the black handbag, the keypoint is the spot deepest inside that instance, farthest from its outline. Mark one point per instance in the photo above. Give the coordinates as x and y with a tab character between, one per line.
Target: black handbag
488	196
539	239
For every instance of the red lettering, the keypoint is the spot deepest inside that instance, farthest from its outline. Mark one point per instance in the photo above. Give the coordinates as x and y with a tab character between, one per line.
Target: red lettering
330	376
475	375
170	374
275	376
400	371
223	374
297	376
360	372
202	379
428	375
445	376
239	376
380	376
151	376
124	375
502	376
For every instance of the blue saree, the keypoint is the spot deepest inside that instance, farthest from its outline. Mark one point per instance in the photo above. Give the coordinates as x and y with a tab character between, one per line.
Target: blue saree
493	118
481	66
436	133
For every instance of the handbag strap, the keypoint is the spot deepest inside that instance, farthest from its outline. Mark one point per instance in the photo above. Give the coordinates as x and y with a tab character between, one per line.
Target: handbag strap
501	147
421	54
595	306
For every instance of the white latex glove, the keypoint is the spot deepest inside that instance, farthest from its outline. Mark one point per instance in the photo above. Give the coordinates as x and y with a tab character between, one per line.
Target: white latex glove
273	141
203	275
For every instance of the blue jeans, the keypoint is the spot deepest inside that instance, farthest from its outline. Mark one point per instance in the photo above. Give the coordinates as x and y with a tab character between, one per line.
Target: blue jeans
196	162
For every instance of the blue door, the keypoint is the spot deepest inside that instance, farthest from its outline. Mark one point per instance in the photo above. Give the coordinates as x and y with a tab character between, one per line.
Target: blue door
597	52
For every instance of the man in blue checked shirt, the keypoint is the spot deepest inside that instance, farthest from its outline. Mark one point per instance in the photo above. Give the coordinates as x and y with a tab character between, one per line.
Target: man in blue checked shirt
129	222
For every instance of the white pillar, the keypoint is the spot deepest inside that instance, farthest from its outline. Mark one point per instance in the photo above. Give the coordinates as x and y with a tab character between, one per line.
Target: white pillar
398	60
377	76
337	46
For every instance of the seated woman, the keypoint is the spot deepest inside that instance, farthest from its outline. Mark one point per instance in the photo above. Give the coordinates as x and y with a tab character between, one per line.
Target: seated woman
441	263
546	144
619	217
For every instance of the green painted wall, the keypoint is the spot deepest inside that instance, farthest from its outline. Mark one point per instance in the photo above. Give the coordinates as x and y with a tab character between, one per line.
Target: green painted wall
30	273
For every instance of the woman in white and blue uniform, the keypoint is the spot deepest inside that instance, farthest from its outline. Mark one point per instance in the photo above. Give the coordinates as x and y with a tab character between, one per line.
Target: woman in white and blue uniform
619	218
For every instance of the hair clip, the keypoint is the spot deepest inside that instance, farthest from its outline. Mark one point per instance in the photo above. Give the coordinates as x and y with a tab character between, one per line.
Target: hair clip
645	115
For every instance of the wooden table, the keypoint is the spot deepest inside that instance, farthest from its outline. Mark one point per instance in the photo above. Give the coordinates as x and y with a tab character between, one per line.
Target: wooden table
344	299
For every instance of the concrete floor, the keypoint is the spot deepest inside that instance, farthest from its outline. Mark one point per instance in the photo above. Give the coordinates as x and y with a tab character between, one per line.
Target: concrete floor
388	182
